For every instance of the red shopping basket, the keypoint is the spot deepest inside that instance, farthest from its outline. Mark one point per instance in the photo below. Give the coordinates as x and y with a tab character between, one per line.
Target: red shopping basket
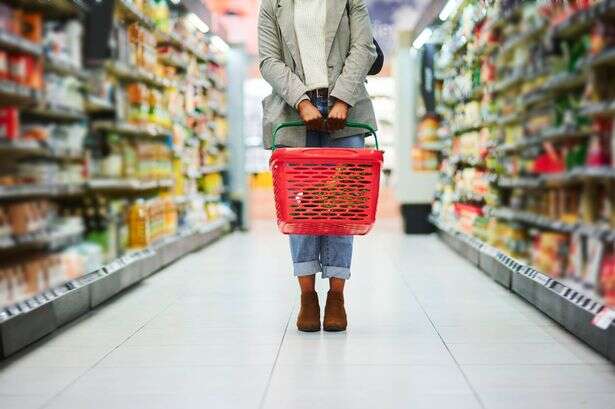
326	191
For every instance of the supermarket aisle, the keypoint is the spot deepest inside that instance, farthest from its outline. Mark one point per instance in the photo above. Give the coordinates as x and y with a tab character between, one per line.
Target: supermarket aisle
216	330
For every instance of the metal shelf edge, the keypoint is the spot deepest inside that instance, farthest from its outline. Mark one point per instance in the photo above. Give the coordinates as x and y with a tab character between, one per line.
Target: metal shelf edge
55	307
565	305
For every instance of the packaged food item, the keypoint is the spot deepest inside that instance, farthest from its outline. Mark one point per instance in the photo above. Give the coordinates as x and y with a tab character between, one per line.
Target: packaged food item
4	65
32	26
138	220
9	123
607	278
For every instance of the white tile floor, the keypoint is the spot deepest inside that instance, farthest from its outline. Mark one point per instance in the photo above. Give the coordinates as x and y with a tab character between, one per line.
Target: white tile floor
216	330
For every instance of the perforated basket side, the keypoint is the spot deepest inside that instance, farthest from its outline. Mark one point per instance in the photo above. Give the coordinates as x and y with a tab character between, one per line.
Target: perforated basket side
332	195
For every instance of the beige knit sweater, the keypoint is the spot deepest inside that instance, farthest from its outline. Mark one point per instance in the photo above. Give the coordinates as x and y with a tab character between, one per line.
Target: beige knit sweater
310	18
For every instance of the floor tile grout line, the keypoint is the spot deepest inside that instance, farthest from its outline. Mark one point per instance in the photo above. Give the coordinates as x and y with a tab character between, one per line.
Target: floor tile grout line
465	377
275	361
135	332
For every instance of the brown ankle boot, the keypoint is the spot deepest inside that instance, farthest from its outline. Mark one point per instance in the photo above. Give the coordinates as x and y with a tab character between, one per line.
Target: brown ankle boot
309	314
335	314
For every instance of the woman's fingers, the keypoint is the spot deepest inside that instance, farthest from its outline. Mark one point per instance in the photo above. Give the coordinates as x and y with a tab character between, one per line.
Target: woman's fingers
314	121
311	116
337	116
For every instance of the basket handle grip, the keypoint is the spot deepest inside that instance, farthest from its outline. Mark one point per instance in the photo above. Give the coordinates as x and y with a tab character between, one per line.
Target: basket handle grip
349	124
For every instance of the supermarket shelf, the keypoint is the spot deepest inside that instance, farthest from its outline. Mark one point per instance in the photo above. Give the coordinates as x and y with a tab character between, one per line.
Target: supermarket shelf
466	129
132	13
582	20
130	129
475	95
54	8
589	230
519	182
466	160
16	94
50	239
599	109
96	104
565	81
64	67
174	62
56	113
128	185
548	135
26	322
9	41
605	57
572	308
521	38
434	146
574	176
532	219
509	119
20	149
213	169
515	79
178	42
24	191
170	38
128	73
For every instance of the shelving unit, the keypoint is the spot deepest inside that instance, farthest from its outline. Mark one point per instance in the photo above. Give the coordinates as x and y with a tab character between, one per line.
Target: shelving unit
101	149
31	319
536	185
567	302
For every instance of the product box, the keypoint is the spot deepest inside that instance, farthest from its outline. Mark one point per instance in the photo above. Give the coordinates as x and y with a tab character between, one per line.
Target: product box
9	123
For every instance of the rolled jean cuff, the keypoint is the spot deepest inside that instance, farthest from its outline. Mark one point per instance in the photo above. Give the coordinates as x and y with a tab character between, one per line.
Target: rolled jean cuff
336	272
306	268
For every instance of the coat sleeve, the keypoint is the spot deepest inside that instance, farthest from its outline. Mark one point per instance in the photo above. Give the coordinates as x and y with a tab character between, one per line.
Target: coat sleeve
361	56
272	66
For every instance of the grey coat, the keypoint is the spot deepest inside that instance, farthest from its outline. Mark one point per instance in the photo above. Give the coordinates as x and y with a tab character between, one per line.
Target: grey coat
351	53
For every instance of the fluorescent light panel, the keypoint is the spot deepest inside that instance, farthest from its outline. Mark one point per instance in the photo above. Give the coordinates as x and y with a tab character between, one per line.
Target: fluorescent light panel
219	43
422	38
448	10
198	23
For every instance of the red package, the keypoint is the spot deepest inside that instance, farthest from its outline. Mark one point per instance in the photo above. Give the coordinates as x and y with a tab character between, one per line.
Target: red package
26	70
9	123
18	64
4	65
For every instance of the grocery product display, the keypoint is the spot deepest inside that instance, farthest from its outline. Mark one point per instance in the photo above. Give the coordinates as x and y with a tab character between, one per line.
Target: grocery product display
108	149
524	102
523	110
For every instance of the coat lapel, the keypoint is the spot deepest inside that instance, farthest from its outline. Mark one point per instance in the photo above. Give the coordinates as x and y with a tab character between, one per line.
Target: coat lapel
285	15
335	10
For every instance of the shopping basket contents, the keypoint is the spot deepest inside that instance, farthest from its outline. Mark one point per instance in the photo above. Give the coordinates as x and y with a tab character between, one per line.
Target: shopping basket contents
326	191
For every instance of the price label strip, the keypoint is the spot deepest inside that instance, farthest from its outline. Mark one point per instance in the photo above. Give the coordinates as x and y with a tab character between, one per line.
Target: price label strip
114	266
604	319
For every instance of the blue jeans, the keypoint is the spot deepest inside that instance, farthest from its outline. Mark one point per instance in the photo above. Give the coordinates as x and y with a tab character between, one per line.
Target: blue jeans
330	255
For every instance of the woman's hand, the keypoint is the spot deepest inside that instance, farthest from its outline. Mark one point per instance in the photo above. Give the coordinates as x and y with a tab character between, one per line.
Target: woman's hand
310	115
337	116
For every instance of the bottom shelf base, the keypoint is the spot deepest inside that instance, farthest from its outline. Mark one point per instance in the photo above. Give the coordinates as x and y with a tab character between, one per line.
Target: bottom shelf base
567	306
35	318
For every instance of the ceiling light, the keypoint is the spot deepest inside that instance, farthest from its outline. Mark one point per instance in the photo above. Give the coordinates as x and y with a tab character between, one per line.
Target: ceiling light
198	23
219	43
422	38
448	10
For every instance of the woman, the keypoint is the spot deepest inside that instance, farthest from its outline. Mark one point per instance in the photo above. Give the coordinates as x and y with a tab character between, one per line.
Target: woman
315	54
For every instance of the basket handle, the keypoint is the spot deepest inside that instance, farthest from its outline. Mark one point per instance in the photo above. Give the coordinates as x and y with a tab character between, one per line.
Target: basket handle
349	124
